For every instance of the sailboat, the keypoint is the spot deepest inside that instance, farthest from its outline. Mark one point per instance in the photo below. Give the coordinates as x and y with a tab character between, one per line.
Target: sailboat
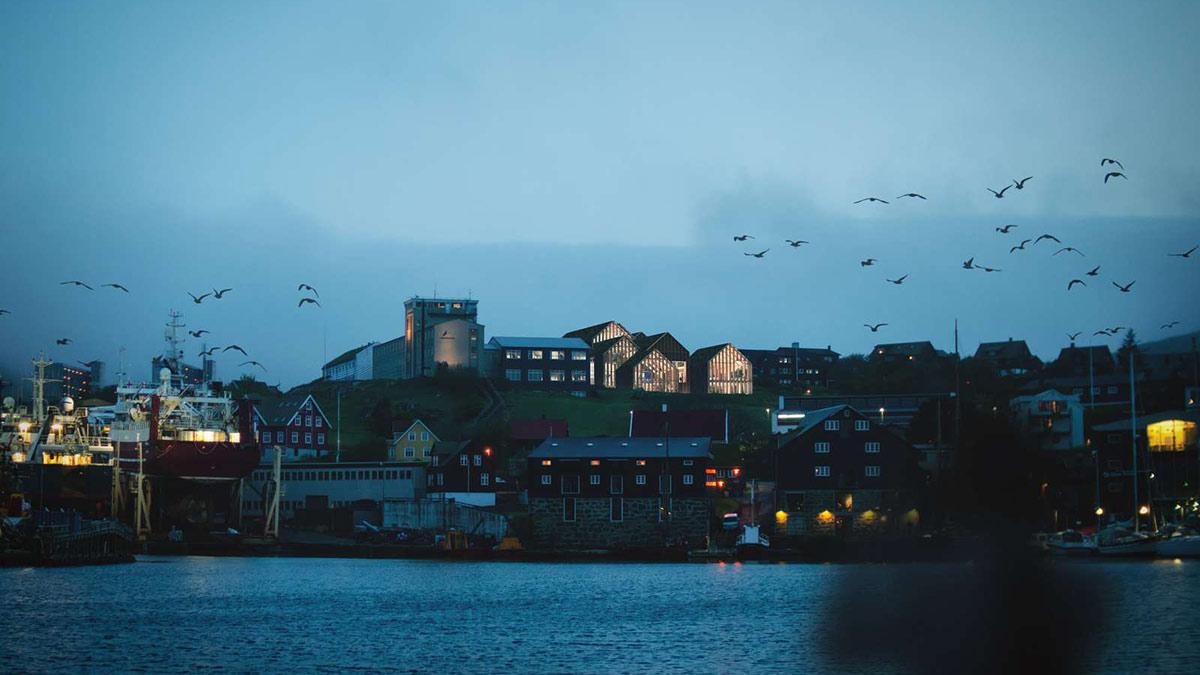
1121	539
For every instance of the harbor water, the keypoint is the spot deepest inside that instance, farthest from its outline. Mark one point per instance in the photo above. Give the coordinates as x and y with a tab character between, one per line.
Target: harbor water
294	614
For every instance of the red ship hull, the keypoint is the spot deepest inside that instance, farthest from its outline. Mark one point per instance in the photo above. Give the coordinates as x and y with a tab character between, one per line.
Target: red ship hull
192	460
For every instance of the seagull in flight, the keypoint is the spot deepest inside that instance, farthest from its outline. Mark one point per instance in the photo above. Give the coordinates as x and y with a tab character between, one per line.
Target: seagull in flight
199	299
252	363
304	300
1106	161
990	269
1020	184
969	263
1005	229
1069	249
306	287
1047	236
63	341
898	281
1186	254
1000	194
1170	325
119	287
868	262
235	348
911	194
757	255
875	328
1105	333
1072	336
1114	174
1125	288
217	295
1021	247
872	199
1075	281
198	333
75	283
797	243
4	311
209	352
1095	271
736	237
1116	329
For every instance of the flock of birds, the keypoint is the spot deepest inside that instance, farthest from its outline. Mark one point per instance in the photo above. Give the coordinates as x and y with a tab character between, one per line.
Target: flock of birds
969	264
309	296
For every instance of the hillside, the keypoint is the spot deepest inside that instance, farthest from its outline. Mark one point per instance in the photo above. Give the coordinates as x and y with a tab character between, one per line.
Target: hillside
1176	344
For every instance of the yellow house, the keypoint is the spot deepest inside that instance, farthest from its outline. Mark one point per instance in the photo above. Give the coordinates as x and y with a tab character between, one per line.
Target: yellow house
414	444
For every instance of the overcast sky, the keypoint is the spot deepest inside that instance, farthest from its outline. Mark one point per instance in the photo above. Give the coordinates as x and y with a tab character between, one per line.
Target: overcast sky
568	163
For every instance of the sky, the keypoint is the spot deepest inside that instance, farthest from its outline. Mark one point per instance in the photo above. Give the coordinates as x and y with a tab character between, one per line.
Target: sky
570	163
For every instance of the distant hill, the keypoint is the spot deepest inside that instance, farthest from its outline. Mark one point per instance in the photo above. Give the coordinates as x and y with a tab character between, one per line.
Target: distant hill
1177	344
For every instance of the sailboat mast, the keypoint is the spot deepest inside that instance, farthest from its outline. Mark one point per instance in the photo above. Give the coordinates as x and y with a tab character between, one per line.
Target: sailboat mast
1133	442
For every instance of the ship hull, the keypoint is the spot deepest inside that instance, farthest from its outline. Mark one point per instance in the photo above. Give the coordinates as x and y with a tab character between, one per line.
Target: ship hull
191	460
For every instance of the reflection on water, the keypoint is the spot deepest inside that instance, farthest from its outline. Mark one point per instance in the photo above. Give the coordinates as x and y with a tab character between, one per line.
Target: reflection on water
271	614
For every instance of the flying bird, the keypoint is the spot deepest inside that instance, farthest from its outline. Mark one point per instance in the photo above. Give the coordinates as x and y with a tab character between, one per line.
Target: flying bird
797	243
898	281
217	295
209	352
872	199
1072	336
252	363
1186	254
1020	184
1115	329
119	287
1069	249
1114	174
969	263
63	341
737	237
1000	194
1106	161
1125	288
1005	229
1021	247
876	327
1047	236
911	194
199	299
1102	332
990	269
75	283
304	300
1095	271
868	262
198	333
757	255
235	348
4	311
1170	325
1075	281
306	287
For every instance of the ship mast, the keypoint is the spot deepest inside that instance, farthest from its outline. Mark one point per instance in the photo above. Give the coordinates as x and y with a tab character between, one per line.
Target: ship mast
39	387
174	355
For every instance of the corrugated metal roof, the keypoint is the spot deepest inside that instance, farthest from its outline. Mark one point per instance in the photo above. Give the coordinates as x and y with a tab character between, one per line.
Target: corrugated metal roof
621	448
509	342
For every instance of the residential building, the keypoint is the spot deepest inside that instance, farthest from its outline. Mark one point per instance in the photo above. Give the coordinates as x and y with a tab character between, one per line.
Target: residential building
388	359
904	351
793	366
317	486
441	333
541	363
525	435
297	425
618	493
465	471
412	441
352	365
1011	357
1099	390
721	369
841	473
648	370
668	346
1050	420
1082	361
1168	463
891	410
712	424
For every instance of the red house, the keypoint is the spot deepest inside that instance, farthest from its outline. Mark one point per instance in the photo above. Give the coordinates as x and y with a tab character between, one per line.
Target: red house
296	424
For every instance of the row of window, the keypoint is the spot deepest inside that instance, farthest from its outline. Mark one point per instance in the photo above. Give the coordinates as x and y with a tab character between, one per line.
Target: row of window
836	425
515	375
285	504
554	354
278	437
485	479
822	447
570	483
823	471
337	474
410	451
412	435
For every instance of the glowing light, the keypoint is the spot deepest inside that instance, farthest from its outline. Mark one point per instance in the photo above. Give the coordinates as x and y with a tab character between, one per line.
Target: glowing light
56	427
825	516
641	462
23	426
1099	510
710	471
1144	510
546	462
487	452
781	517
595	462
737	471
720	483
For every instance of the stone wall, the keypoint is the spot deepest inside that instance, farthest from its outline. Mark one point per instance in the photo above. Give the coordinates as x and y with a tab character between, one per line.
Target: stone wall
592	528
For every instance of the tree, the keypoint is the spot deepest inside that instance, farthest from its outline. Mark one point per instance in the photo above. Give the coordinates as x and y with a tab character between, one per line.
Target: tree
1128	346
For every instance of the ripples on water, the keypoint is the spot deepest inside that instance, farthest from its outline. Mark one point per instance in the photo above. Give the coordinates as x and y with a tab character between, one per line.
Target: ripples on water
277	614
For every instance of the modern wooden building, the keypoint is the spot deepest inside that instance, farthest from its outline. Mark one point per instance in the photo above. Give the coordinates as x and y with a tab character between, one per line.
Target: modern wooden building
618	493
648	370
668	346
607	358
841	473
721	369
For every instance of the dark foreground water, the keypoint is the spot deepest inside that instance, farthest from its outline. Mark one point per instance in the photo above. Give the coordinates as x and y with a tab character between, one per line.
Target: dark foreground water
287	614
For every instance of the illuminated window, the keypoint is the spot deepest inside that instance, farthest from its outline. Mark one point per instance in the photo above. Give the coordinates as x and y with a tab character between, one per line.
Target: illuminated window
641	462
871	446
535	353
821	471
821	447
1171	435
557	355
558	376
833	425
872	471
578	356
512	354
579	376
